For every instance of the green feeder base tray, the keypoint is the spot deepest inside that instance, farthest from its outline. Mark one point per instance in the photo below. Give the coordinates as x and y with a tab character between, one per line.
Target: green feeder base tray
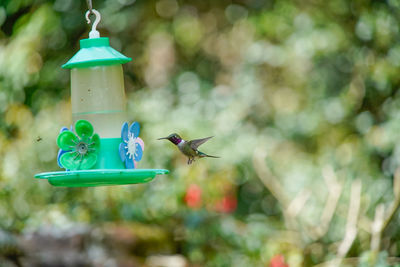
100	177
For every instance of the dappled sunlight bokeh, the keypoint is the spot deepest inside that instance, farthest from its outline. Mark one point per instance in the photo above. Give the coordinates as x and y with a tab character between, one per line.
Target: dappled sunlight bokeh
303	101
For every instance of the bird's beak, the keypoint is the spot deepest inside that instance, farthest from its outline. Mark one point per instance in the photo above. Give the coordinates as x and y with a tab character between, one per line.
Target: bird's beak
162	138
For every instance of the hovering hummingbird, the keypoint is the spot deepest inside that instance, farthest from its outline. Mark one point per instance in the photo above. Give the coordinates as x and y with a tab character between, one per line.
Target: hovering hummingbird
189	148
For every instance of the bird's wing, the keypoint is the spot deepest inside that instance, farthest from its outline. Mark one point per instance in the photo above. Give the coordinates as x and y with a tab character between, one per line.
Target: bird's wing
197	142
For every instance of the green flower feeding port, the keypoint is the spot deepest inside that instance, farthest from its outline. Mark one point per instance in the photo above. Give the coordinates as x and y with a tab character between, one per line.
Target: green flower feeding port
101	149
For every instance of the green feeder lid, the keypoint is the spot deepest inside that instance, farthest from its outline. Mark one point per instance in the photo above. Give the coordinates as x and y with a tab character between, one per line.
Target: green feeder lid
96	52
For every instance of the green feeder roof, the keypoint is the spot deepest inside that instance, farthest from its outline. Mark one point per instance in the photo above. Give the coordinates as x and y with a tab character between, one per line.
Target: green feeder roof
95	52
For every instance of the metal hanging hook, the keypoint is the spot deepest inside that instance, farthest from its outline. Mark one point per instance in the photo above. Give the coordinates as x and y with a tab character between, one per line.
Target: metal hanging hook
90	6
93	33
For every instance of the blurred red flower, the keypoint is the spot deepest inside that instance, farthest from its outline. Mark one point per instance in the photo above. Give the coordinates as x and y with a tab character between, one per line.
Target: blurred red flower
193	196
278	261
227	204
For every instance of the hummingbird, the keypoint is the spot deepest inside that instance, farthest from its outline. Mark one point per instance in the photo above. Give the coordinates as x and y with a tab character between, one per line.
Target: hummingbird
189	148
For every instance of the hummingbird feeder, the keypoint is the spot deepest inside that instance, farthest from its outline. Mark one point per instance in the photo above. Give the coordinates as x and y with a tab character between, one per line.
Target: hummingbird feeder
101	148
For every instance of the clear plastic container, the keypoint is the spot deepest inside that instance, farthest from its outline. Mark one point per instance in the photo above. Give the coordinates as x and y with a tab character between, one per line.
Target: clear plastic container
98	95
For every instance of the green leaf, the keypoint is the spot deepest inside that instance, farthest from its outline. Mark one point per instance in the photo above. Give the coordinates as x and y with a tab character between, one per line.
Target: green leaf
67	140
83	128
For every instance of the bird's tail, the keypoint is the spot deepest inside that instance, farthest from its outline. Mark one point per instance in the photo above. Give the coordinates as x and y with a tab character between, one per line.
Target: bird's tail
204	155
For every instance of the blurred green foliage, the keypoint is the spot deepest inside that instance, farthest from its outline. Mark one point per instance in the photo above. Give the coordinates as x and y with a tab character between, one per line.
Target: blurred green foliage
302	97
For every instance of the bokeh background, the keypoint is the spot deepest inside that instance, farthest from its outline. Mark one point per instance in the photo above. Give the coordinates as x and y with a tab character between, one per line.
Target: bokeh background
302	97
